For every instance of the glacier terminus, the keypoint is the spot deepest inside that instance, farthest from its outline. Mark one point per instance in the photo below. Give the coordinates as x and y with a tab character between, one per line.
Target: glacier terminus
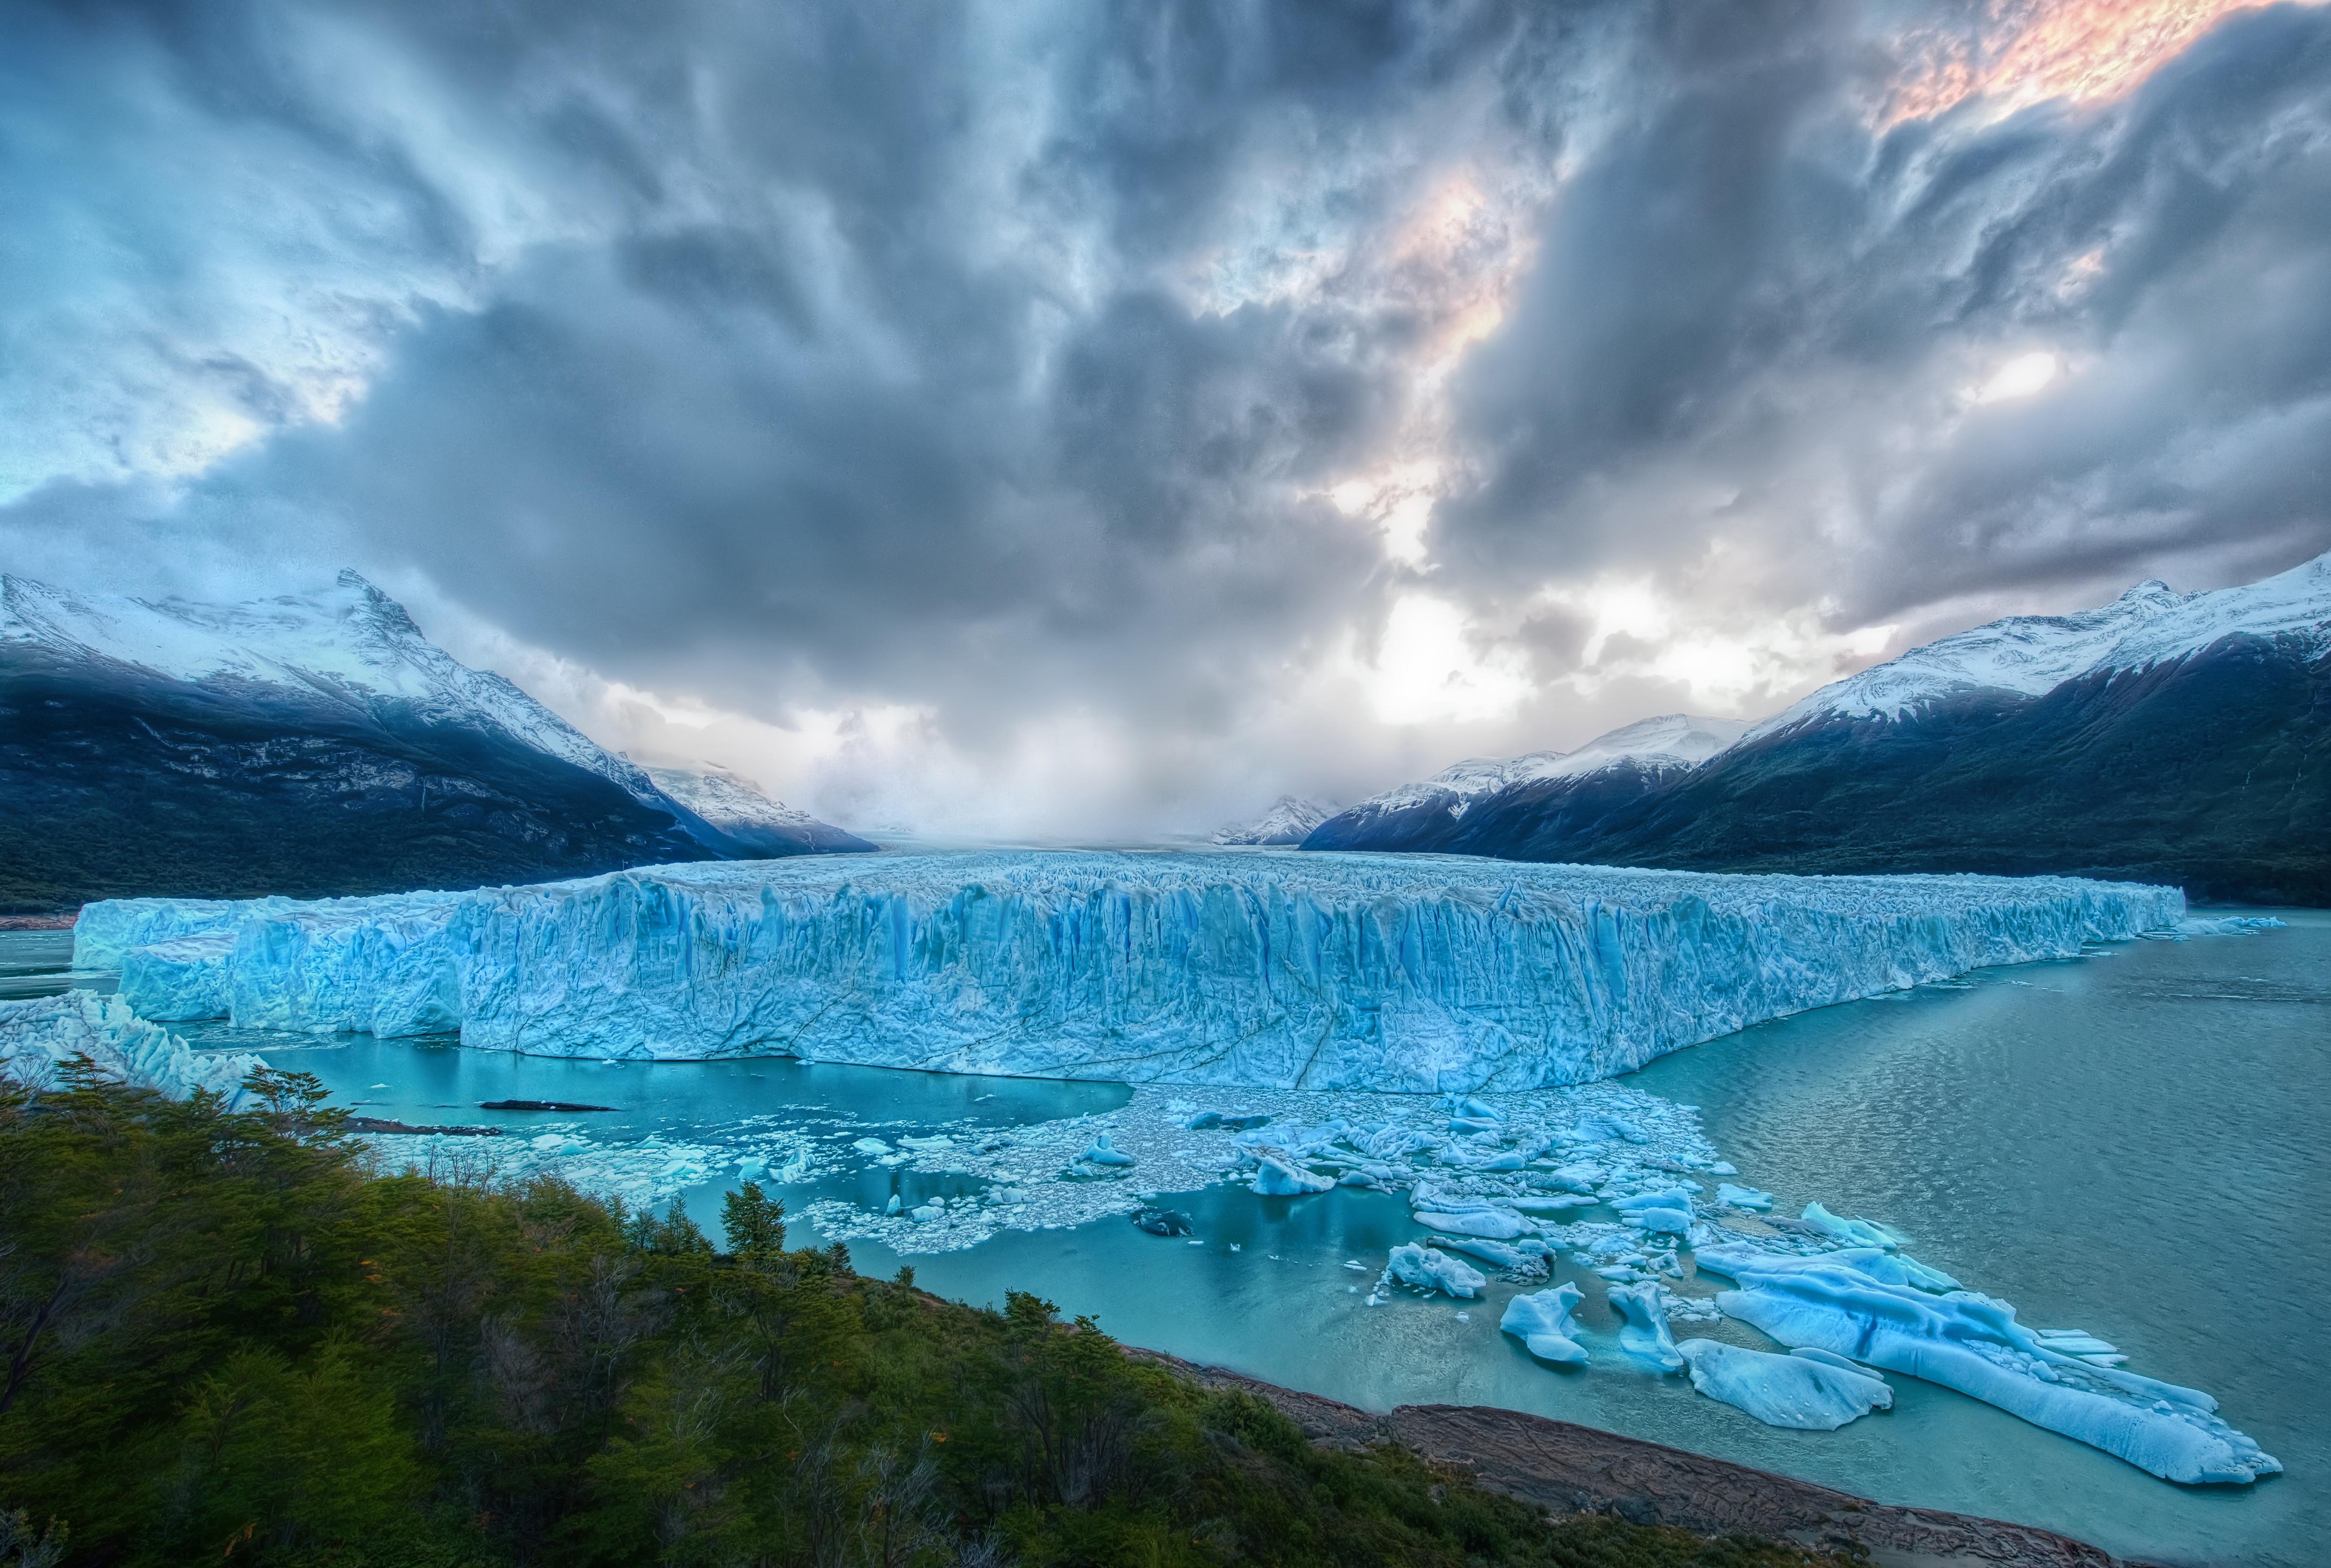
1404	973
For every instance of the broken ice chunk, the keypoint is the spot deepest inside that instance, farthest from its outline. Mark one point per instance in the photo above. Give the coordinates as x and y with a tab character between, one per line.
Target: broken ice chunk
1542	1323
1784	1391
1730	1258
1852	1232
1494	1224
1749	1198
871	1146
1973	1343
2072	1342
1429	1268
1102	1153
1644	1333
1511	1259
1277	1178
1510	1160
1667	1212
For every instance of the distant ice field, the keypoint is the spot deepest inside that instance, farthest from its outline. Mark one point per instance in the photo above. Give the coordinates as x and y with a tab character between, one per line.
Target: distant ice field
1393	973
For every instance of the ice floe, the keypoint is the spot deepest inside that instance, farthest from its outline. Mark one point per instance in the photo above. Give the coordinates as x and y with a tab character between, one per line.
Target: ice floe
1644	1330
1972	1342
1429	1268
1541	1321
1811	1394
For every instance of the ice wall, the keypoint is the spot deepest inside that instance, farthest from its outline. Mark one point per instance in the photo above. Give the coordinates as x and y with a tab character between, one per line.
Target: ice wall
40	1035
1399	972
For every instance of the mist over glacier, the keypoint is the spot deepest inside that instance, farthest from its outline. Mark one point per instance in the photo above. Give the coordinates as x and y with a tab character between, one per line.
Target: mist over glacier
1269	969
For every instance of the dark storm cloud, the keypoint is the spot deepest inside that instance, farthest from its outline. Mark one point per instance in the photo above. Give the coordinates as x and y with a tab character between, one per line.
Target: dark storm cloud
838	350
1747	243
1000	359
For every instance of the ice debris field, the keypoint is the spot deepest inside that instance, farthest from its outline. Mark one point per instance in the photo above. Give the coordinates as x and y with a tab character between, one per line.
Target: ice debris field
1392	973
1524	1167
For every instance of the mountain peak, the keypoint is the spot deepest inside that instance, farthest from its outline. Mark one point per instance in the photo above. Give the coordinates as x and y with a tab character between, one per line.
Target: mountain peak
1288	820
2148	624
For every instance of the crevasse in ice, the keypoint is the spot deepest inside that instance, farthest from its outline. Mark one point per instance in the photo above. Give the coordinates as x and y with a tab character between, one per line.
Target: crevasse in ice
1413	973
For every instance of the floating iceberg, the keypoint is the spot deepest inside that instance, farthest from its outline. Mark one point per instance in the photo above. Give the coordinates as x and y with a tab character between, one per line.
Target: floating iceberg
1416	973
1811	1394
1275	1177
40	1035
1852	1232
1753	1199
1973	1343
1669	1212
1490	1225
1099	1153
1542	1323
1528	1259
1644	1333
1430	1268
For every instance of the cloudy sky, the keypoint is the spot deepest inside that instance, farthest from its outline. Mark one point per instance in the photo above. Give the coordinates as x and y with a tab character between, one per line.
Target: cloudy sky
1080	419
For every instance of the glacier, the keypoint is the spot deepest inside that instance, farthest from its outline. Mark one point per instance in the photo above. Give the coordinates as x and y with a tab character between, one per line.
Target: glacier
1262	968
40	1035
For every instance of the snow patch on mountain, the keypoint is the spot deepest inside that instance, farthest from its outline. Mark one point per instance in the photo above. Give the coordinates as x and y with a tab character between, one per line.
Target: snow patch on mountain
1672	740
728	800
350	643
1289	821
2031	655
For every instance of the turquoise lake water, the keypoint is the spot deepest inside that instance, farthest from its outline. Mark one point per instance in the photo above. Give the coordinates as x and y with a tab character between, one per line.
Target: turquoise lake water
2133	1142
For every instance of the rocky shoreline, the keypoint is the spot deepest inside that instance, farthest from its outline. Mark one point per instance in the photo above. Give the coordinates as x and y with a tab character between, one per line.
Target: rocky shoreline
1569	1469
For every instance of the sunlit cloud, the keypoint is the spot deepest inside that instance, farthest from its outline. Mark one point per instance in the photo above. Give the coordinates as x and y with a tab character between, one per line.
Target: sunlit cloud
2021	376
1429	668
2027	51
1726	656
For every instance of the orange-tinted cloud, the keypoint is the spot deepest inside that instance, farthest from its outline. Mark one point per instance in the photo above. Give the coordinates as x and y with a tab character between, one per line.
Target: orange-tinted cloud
2086	51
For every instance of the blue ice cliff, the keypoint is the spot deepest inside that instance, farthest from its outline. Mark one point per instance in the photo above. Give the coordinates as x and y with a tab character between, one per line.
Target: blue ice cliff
1410	973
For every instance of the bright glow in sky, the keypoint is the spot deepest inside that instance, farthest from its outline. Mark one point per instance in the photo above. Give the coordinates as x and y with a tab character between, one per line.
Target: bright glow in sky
1430	668
2021	376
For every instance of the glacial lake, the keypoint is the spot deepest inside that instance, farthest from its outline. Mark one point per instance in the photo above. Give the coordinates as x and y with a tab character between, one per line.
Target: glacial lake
2136	1143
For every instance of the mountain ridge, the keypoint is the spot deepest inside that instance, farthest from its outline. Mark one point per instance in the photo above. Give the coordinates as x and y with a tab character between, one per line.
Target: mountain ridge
312	744
2182	738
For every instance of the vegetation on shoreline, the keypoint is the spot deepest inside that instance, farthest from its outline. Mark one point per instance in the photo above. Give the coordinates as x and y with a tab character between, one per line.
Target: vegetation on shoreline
223	1338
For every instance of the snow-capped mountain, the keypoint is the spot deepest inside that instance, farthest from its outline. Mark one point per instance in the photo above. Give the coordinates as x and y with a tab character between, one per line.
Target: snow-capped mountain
1423	815
2151	624
1289	821
348	643
2168	737
740	809
314	743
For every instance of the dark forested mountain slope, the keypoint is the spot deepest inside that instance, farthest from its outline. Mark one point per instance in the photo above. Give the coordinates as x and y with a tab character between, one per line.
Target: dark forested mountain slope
2175	737
2213	773
310	746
